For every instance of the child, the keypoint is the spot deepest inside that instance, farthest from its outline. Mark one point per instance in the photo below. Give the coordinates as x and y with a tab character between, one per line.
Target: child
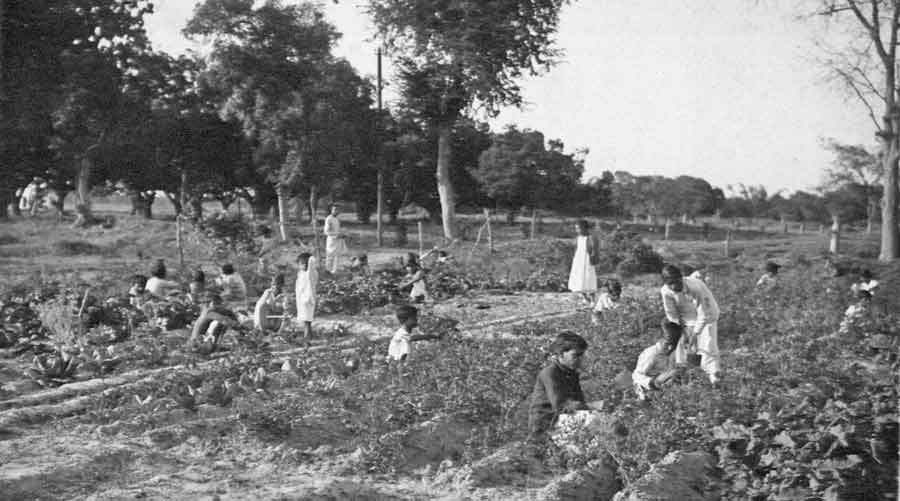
408	316
688	302
415	279
233	287
305	290
866	283
582	276
768	278
213	322
655	366
607	300
558	386
360	264
273	302
856	311
197	287
157	285
137	294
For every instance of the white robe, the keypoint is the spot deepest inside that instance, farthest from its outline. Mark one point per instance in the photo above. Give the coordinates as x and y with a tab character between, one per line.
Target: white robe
695	308
305	291
582	277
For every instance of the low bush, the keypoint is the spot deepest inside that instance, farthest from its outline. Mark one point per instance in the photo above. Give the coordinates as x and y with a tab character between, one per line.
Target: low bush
68	248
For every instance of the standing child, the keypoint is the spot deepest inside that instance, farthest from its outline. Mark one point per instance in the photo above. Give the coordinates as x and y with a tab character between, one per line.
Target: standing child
270	305
234	289
408	316
655	365
415	280
607	300
583	277
335	246
689	303
768	279
305	291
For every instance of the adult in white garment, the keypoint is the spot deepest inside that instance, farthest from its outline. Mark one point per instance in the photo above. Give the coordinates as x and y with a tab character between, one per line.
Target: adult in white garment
335	246
688	301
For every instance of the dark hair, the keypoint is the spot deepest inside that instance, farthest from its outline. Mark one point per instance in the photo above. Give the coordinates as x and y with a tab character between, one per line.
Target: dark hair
670	271
688	269
614	286
863	294
406	312
567	340
159	269
583	226
140	280
412	257
199	276
278	280
671	331
227	269
334	206
867	274
772	267
362	258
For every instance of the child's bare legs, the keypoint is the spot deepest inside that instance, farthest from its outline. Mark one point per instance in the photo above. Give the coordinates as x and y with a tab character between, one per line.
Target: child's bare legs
307	329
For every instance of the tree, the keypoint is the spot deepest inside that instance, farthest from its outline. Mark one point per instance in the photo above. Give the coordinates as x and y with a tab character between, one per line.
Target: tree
855	165
454	56
867	66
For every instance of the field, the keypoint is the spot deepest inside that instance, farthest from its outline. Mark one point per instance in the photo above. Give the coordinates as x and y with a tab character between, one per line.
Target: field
121	409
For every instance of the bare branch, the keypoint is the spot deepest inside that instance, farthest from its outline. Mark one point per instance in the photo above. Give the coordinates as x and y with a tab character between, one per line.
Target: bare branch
848	79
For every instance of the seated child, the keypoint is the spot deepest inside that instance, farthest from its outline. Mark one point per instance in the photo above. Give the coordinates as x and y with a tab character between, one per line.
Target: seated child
137	294
866	283
415	280
768	279
443	257
233	287
305	290
607	300
558	387
856	311
157	285
271	308
408	316
214	320
656	366
360	264
197	287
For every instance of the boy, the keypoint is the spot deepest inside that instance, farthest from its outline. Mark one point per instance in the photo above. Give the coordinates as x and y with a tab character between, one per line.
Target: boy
233	287
270	305
408	316
866	283
655	366
768	279
335	246
213	322
557	389
688	302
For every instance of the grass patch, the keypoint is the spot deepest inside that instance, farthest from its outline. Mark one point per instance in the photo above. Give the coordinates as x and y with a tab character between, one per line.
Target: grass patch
69	248
7	239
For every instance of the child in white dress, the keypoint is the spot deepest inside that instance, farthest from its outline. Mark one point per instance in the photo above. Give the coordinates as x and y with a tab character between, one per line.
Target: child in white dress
415	281
583	277
305	291
857	311
399	348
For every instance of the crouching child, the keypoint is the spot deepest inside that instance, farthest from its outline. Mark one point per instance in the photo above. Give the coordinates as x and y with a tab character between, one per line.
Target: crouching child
214	320
656	366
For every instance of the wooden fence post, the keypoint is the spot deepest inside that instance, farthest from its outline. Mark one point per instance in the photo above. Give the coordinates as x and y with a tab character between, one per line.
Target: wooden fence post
728	243
490	236
668	227
834	244
421	241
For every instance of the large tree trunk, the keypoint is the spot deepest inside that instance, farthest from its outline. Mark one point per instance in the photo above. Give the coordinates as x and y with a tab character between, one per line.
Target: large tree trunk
890	243
445	187
83	183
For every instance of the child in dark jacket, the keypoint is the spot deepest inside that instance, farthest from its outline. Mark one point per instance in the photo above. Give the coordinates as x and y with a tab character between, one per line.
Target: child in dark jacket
558	386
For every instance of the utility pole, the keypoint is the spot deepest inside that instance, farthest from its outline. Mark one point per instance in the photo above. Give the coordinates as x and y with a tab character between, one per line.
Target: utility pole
379	210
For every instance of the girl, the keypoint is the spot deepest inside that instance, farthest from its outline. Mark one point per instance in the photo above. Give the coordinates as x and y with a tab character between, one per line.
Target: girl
233	287
271	306
607	300
157	285
415	279
305	291
582	277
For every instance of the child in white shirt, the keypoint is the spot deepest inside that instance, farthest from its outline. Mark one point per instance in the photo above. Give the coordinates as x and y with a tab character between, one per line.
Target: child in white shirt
399	348
866	283
769	277
157	285
607	300
655	366
415	281
305	290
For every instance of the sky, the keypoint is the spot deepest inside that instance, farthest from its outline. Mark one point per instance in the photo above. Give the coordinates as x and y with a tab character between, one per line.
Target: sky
726	90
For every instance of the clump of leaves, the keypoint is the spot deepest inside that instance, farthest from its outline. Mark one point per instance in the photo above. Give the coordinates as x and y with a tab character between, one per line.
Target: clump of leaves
53	369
